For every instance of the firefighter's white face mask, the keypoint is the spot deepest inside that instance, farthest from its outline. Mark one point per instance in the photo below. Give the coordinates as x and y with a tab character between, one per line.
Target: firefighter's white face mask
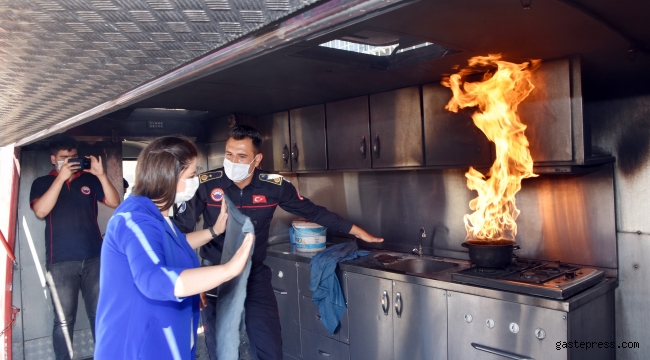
237	172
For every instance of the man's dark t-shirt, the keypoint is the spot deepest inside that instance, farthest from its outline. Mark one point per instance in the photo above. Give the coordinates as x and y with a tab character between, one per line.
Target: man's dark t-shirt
71	230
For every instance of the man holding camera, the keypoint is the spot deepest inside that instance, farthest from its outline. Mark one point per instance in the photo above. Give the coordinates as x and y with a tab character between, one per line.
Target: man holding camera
66	199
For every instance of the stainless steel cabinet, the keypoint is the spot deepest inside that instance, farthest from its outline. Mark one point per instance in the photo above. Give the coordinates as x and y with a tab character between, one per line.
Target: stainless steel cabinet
309	312
479	327
371	317
419	322
451	139
396	128
396	320
348	134
276	142
547	113
308	148
318	347
285	286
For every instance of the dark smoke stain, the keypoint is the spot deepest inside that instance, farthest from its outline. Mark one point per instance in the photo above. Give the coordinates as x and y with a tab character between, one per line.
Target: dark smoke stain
633	147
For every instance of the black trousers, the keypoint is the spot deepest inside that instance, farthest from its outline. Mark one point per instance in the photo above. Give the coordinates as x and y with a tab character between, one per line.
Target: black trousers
64	280
261	314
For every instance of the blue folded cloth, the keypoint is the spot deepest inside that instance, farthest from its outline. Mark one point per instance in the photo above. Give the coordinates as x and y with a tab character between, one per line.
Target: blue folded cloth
325	285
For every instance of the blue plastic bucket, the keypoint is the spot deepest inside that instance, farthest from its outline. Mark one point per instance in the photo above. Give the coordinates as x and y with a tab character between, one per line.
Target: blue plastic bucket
309	236
292	237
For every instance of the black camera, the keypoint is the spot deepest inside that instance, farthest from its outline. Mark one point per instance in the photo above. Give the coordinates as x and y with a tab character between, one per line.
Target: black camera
84	163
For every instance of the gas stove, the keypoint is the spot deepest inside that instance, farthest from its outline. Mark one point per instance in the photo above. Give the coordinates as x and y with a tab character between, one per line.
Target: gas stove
547	279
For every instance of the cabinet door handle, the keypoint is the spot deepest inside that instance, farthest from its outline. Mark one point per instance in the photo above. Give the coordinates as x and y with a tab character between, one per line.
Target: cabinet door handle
362	146
505	354
279	292
294	152
385	302
398	305
376	147
285	154
323	353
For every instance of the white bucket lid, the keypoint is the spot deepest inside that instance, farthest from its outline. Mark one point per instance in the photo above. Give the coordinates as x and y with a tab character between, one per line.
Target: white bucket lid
305	224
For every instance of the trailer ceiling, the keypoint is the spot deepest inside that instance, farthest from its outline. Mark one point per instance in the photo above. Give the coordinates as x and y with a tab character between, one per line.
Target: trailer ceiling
56	61
60	58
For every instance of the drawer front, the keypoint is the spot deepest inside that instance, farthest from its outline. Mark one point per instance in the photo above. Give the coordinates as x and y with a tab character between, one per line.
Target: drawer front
285	286
311	321
286	356
478	326
316	347
310	318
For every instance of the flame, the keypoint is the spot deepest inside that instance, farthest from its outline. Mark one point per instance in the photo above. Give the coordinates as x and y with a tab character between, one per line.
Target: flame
497	97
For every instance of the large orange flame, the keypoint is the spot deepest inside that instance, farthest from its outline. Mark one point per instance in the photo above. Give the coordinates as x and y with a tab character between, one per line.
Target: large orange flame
497	97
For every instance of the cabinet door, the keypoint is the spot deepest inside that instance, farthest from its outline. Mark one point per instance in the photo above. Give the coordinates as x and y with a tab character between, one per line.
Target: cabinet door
285	287
396	128
451	138
276	143
318	347
371	317
308	150
547	112
419	322
310	314
348	134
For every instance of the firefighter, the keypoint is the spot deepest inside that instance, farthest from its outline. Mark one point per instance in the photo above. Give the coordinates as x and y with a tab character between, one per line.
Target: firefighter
256	194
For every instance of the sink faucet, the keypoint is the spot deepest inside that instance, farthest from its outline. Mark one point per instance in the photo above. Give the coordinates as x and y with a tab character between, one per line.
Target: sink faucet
423	235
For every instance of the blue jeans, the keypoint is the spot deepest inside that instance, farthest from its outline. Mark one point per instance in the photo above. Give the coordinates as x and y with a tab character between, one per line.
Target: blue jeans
64	280
232	294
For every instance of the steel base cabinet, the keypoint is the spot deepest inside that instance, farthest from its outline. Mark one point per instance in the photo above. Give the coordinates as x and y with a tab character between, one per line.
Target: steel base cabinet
489	329
309	313
395	320
285	286
317	341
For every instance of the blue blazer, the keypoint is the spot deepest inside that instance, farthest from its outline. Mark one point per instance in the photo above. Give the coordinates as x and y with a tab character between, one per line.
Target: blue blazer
138	316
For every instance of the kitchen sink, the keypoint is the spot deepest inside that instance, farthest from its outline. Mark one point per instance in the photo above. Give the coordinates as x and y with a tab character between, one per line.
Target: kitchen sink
420	266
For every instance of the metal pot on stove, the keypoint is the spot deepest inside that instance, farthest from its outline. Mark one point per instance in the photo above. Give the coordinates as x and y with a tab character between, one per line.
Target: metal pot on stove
492	253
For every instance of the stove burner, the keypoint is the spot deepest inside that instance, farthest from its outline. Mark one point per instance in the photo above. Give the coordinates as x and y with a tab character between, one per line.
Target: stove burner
532	277
529	274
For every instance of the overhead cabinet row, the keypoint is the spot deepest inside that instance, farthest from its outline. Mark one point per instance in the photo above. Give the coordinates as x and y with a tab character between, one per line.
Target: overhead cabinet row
383	130
410	127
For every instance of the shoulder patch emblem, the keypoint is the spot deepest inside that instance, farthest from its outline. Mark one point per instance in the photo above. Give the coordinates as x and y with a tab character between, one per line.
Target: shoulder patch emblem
217	194
272	178
210	175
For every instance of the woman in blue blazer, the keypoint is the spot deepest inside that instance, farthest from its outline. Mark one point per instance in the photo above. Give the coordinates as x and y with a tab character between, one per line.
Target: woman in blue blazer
150	276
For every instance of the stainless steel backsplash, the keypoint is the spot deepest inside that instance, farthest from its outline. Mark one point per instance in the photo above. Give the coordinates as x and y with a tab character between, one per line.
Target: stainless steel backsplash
566	217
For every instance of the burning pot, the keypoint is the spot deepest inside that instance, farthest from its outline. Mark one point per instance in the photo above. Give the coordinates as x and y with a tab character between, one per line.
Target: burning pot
491	254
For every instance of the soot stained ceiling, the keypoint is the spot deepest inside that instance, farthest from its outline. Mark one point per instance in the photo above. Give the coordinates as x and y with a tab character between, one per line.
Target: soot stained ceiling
602	32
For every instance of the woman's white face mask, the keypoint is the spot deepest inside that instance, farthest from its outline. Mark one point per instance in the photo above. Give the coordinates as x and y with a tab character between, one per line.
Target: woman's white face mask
237	172
191	185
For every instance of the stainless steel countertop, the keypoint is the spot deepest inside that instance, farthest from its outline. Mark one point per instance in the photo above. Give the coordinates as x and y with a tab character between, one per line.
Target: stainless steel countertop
368	265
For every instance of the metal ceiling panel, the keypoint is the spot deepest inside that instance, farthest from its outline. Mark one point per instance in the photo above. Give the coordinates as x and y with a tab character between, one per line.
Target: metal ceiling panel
59	58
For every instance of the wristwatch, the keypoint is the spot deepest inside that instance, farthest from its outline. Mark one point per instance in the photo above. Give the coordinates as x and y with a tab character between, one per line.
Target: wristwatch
214	234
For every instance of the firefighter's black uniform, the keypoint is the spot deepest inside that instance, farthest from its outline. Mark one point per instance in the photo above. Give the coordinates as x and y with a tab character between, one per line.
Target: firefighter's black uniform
258	201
